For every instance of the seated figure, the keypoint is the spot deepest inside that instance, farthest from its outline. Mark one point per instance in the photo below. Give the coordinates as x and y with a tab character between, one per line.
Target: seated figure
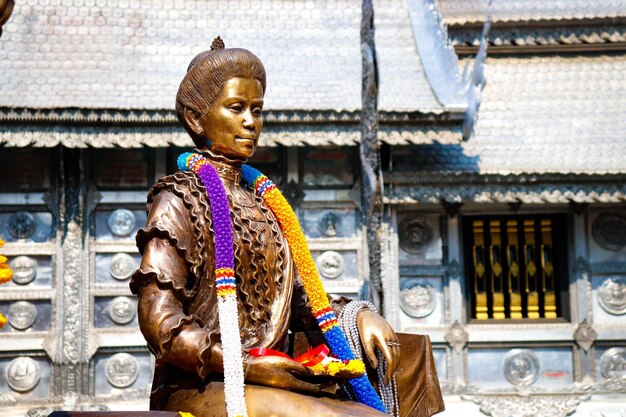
226	276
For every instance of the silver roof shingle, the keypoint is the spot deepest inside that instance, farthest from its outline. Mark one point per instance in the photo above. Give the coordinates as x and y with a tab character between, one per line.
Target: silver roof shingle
458	12
543	114
133	54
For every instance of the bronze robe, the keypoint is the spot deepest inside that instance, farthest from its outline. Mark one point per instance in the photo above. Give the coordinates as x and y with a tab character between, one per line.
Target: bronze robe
177	299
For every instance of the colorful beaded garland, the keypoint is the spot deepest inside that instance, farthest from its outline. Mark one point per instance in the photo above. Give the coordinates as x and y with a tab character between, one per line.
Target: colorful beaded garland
298	245
234	389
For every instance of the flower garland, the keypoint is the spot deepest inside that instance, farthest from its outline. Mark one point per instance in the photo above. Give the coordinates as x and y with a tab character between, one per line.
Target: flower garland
234	391
5	276
288	221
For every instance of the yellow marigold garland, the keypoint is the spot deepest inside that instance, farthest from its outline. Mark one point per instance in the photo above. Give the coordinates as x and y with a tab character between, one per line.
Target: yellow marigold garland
5	276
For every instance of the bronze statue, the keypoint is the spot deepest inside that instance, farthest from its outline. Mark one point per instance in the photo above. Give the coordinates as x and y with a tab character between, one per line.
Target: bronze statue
220	103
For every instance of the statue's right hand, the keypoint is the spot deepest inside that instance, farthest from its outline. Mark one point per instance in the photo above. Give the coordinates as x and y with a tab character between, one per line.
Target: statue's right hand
275	371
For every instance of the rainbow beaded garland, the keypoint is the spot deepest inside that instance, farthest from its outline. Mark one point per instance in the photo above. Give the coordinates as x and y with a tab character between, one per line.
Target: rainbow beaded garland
224	265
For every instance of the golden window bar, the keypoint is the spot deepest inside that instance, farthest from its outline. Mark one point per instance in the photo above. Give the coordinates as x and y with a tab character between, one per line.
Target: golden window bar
512	266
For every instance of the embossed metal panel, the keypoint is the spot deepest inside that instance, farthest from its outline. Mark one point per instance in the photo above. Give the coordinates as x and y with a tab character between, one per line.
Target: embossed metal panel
25	377
332	222
28	226
30	272
119	224
27	316
501	368
116	372
419	239
116	268
421	301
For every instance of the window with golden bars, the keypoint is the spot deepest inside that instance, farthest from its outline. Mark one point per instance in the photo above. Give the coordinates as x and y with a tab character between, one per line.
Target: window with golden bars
516	266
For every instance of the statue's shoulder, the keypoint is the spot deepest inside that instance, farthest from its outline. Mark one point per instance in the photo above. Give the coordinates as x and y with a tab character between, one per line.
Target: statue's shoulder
180	183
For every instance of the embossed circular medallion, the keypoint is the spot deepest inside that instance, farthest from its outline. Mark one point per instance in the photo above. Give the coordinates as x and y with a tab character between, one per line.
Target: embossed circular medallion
416	234
613	363
22	315
609	231
22	374
121	222
330	264
22	225
521	367
612	295
121	370
122	310
121	266
329	224
24	270
418	301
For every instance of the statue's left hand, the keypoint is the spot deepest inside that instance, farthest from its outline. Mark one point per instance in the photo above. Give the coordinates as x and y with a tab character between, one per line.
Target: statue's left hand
376	332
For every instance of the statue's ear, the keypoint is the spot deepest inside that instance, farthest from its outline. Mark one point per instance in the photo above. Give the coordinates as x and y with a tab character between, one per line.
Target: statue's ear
193	121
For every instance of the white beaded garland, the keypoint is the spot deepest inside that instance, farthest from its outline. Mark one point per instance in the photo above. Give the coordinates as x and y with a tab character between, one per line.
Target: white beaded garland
234	390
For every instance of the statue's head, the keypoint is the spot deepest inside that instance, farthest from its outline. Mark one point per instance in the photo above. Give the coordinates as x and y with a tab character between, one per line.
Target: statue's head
219	101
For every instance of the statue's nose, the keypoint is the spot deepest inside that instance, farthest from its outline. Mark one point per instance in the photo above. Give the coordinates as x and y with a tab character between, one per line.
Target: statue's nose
248	120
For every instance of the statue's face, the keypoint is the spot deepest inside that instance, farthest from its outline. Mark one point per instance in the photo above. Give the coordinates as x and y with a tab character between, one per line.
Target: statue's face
234	121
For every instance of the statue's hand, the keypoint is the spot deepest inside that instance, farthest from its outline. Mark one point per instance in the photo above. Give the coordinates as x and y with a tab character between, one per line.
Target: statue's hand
376	332
275	371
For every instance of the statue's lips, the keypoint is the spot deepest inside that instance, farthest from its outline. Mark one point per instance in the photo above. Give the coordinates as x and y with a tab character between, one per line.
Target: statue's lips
250	138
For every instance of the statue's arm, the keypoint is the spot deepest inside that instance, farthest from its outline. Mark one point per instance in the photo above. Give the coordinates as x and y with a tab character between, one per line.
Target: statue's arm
165	287
374	330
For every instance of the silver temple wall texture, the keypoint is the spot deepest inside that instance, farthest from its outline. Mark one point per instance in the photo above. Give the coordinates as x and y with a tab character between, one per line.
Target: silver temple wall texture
87	125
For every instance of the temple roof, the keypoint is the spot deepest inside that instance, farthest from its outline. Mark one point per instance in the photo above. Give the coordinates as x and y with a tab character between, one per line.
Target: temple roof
122	54
132	54
541	114
460	12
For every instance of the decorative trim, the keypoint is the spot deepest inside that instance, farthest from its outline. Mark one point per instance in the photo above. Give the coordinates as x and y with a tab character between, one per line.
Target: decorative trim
437	55
607	268
160	117
71	341
553	405
585	335
545	36
423	187
457	337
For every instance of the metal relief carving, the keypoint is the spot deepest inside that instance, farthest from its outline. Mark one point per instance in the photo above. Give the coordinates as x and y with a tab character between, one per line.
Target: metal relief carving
72	247
329	224
121	370
24	270
609	231
22	315
612	295
416	234
330	264
457	337
613	363
121	222
22	225
585	335
122	310
22	374
418	301
521	367
121	266
553	405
